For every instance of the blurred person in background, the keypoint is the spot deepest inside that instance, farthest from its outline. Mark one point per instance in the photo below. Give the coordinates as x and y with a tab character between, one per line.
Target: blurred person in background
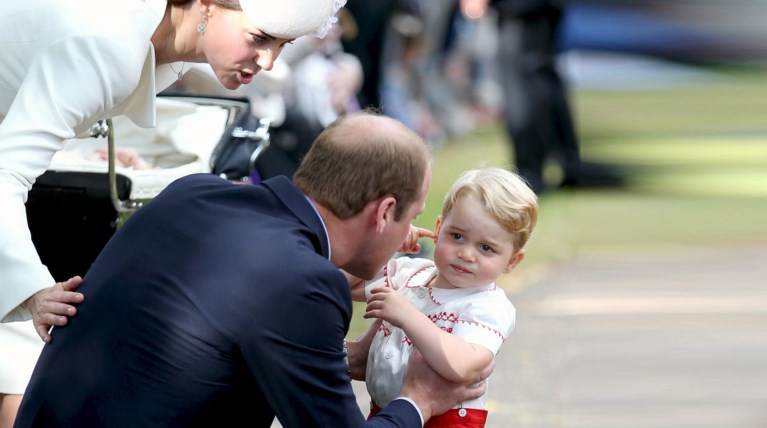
371	20
404	84
536	112
326	79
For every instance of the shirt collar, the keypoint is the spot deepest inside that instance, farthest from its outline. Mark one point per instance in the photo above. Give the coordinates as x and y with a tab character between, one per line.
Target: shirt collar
327	235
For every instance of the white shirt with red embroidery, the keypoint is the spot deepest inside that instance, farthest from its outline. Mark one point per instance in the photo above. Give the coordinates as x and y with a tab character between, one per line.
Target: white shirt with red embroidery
481	315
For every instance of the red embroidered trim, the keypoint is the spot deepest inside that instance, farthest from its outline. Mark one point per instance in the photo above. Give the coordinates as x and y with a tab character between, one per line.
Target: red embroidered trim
443	316
453	319
492	330
434	299
385	330
407	283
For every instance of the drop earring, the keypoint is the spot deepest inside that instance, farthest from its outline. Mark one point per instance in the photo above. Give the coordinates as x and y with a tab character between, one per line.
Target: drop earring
202	25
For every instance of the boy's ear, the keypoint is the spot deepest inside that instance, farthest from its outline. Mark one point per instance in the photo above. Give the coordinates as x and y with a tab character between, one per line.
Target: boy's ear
437	227
514	261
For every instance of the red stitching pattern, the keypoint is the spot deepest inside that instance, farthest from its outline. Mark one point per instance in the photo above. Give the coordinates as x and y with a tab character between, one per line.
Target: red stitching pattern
492	330
437	302
443	316
407	283
433	299
385	330
453	318
409	343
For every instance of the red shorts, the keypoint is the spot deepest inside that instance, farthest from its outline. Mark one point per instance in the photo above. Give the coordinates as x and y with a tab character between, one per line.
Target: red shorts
463	418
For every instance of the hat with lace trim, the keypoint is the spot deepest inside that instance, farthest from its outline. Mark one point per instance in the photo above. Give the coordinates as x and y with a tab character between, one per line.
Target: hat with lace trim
290	19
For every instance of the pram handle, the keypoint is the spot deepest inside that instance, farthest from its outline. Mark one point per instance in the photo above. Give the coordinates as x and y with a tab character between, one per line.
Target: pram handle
104	128
261	135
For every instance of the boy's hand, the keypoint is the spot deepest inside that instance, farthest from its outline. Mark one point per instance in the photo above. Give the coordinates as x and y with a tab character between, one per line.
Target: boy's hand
389	305
411	245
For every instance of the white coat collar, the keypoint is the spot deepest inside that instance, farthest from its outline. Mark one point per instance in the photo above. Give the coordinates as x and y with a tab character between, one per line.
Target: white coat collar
141	108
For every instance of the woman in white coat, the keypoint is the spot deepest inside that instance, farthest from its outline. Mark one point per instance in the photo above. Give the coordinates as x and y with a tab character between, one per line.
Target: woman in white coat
66	65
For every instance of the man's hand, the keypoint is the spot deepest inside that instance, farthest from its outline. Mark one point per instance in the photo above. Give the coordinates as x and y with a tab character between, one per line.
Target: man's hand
358	349
53	305
433	394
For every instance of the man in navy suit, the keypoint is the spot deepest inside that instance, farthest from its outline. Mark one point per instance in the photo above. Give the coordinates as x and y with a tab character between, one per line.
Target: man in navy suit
220	304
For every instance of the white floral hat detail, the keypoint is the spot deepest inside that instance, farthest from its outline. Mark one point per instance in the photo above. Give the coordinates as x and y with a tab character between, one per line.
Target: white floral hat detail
290	19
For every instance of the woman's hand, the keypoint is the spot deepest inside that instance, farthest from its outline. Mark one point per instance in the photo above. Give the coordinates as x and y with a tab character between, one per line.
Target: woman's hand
52	306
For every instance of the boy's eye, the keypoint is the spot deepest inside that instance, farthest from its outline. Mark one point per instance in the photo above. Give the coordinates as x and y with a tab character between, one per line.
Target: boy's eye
486	248
457	236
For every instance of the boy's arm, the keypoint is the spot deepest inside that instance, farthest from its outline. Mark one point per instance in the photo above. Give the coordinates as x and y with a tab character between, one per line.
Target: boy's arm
449	355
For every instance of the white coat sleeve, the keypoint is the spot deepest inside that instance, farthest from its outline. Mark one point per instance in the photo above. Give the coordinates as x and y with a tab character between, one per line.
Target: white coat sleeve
67	87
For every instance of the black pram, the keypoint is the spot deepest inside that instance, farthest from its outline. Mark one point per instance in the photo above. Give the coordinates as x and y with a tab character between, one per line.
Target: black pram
76	206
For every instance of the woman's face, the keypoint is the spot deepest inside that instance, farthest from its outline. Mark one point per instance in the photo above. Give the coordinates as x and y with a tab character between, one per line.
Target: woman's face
235	49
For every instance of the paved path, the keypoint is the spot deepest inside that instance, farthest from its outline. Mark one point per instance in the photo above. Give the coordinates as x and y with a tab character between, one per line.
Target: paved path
662	340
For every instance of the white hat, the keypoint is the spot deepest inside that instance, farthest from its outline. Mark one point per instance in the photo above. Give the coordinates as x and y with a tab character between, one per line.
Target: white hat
290	19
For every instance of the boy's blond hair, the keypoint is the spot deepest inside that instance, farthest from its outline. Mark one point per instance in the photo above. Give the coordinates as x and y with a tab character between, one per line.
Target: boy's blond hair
506	196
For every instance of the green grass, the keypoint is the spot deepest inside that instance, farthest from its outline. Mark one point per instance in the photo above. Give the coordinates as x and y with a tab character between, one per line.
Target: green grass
696	161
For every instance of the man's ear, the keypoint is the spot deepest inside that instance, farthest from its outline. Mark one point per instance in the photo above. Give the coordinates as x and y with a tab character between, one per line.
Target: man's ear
384	213
514	261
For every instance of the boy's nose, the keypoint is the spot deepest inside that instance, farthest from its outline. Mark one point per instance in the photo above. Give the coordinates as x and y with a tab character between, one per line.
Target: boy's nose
466	254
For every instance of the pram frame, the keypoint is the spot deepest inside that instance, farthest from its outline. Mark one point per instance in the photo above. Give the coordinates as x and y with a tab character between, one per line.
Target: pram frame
78	208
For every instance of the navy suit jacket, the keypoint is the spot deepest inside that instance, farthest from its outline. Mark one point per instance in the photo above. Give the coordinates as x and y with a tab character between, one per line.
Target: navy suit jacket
213	305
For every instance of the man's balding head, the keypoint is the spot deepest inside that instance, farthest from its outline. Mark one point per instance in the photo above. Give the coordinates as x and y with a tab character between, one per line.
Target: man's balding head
361	157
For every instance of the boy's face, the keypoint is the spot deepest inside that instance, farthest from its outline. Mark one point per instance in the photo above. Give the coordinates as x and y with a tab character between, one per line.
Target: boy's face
472	249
